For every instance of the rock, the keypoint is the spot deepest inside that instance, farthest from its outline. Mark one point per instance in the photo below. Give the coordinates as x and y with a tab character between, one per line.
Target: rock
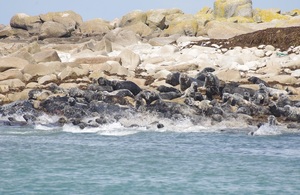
47	79
282	79
161	41
13	83
116	68
228	29
95	27
140	28
267	16
17	96
42	69
103	45
7	63
156	19
46	56
296	73
293	65
259	53
123	37
4	88
133	17
69	19
72	73
94	60
11	74
183	25
228	75
231	8
26	22
53	30
24	55
129	59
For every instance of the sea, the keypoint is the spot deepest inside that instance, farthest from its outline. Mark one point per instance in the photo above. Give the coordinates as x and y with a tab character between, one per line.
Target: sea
114	159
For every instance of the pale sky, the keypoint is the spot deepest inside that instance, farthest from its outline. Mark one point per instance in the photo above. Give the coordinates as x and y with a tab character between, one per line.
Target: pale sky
110	9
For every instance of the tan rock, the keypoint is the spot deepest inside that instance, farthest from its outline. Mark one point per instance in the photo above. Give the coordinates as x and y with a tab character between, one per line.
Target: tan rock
53	30
3	99
140	28
11	74
117	69
103	45
4	88
161	41
26	22
13	83
95	60
23	95
228	75
69	19
47	79
95	27
225	30
282	79
68	85
7	63
24	55
122	37
133	17
46	56
156	19
72	73
183	25
42	69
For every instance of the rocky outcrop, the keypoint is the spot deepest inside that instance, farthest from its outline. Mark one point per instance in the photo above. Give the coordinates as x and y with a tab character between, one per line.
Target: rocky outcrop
232	8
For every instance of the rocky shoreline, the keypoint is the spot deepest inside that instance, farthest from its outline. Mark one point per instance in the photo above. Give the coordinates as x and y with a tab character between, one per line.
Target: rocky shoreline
149	63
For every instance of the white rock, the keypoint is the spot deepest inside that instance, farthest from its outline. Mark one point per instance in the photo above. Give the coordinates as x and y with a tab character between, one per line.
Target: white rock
295	73
269	48
269	53
259	53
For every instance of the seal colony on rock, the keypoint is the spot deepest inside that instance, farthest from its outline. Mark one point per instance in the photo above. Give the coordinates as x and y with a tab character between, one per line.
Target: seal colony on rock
126	99
93	73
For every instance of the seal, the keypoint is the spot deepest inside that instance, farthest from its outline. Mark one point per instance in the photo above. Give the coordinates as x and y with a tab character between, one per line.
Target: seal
146	97
173	78
185	81
292	113
272	120
261	96
212	85
121	93
201	75
190	92
256	80
131	86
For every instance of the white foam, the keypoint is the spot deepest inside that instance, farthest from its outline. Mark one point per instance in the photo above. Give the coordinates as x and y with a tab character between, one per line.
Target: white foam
267	130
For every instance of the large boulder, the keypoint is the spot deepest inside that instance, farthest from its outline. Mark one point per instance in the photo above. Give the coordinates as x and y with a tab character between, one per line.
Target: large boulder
95	27
26	22
140	28
133	17
156	19
231	8
223	30
7	63
46	56
183	25
260	15
69	19
53	30
129	59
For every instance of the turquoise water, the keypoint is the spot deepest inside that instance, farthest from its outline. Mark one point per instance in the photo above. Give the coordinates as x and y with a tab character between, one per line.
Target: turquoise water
147	162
